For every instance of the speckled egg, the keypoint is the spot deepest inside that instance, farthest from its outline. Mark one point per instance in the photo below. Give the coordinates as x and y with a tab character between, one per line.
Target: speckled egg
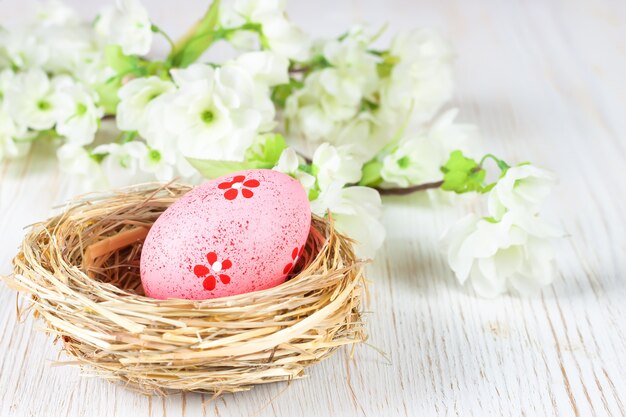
238	233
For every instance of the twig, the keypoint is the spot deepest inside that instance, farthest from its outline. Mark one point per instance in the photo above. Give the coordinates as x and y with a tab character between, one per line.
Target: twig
409	190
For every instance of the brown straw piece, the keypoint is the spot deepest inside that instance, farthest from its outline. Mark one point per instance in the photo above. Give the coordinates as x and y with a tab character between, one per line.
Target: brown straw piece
111	244
80	270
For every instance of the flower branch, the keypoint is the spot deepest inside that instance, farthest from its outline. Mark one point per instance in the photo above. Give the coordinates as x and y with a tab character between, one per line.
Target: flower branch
374	119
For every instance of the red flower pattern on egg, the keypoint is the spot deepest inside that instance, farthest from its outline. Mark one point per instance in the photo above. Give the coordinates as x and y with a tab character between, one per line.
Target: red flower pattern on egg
238	183
295	255
213	271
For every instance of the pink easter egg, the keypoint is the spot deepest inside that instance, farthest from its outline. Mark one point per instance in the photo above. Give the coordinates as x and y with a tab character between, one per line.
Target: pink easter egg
238	233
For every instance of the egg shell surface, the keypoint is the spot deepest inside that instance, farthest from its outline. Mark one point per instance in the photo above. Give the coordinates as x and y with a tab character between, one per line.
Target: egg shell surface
235	234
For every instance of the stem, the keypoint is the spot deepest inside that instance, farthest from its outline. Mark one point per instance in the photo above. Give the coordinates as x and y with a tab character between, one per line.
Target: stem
409	190
396	191
180	54
378	34
216	34
209	37
299	70
169	40
182	42
398	135
127	136
501	164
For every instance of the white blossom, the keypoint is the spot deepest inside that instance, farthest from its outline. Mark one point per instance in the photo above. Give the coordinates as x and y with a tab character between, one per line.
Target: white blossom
31	100
7	77
333	97
5	61
78	113
452	136
522	188
66	38
56	40
135	98
244	40
186	170
163	157
127	25
363	137
214	113
90	67
351	58
153	127
235	13
279	34
160	164
417	159
356	212
68	48
332	166
327	100
289	163
184	77
76	161
265	67
514	252
283	37
22	48
421	81
9	132
56	13
13	137
121	163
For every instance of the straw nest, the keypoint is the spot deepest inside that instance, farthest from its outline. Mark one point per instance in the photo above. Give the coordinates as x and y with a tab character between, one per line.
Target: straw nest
83	280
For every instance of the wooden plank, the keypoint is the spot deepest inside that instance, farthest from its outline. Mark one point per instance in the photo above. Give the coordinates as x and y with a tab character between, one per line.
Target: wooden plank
545	82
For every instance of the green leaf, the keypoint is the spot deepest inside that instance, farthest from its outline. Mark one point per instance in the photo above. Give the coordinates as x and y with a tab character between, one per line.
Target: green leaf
316	63
212	168
98	157
368	106
266	150
128	136
281	92
370	175
488	188
476	181
313	194
116	59
319	62
308	168
107	92
458	162
193	45
263	154
462	174
385	67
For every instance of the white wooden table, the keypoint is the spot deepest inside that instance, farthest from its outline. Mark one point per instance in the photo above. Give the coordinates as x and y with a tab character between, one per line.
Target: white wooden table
545	82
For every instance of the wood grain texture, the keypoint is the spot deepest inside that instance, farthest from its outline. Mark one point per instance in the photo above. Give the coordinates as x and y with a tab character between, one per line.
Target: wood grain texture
544	81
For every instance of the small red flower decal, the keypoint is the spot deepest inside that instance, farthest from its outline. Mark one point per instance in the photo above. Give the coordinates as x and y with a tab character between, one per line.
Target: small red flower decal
295	255
238	183
212	271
